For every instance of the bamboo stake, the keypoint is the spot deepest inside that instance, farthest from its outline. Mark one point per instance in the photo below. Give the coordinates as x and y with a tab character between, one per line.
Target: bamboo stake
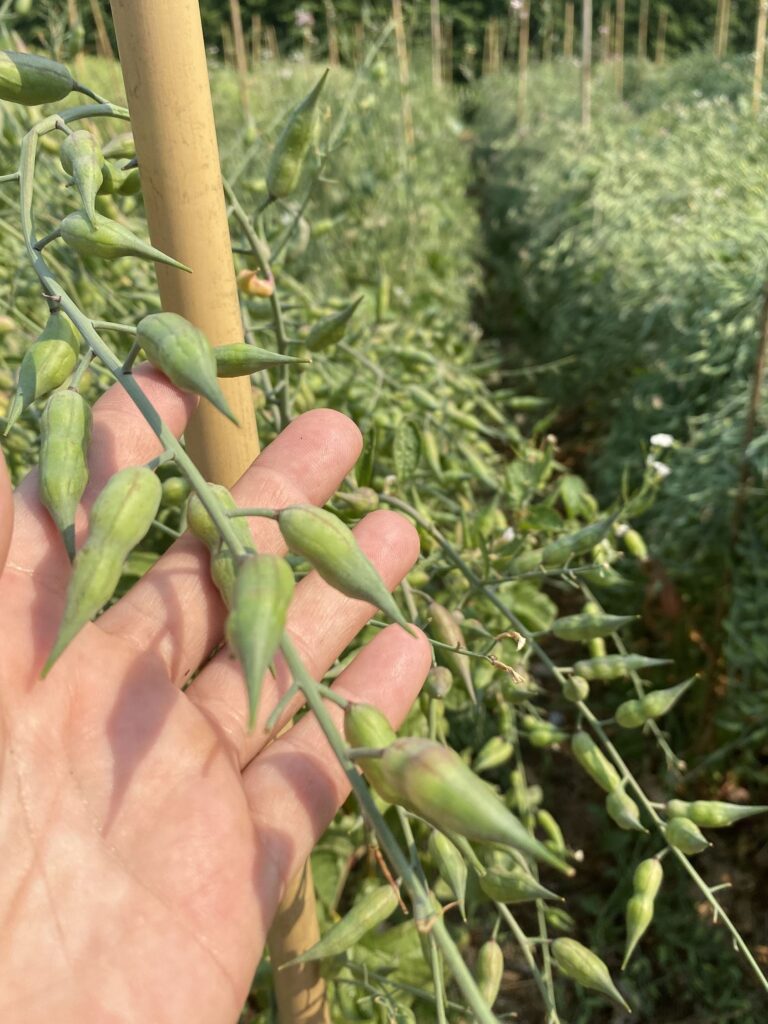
227	46
568	31
255	40
73	19
448	51
586	65
718	25
404	72
333	35
642	30
103	44
661	39
757	81
496	46
241	58
725	27
272	46
437	45
522	81
604	32
618	48
299	990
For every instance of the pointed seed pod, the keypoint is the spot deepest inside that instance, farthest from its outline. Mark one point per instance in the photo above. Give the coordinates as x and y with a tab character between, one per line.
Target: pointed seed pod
46	365
713	813
448	631
65	432
685	836
108	240
120	147
558	552
555	839
489	970
594	762
371	909
659	702
184	354
287	160
331	549
635	545
513	886
575	689
331	329
624	811
223	567
646	883
239	360
616	666
584	967
432	781
120	517
262	594
366	726
589	627
81	157
493	753
450	866
630	715
360	501
31	80
439	682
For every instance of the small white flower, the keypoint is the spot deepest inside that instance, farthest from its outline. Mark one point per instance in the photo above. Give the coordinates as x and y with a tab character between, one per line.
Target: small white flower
620	529
661	469
508	535
662	440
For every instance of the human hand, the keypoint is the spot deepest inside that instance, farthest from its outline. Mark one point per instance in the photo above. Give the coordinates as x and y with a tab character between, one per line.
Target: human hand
146	836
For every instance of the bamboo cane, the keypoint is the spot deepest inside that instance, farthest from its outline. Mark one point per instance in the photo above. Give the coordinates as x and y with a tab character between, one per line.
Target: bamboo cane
241	57
522	70
448	50
103	44
725	27
586	65
757	81
618	48
333	35
605	32
255	40
568	31
403	66
437	45
227	45
661	38
74	22
496	46
642	30
272	45
718	29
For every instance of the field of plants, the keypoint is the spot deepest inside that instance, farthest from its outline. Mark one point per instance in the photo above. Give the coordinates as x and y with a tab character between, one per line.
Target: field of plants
551	336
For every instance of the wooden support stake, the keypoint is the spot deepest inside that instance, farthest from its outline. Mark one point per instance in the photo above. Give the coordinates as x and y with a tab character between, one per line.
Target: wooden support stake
586	65
273	48
241	57
255	40
568	31
522	72
661	38
300	991
605	32
103	44
618	48
333	35
725	26
448	51
642	30
74	22
757	81
404	72
437	44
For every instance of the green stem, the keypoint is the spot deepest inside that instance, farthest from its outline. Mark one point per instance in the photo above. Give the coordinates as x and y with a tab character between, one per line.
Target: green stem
525	947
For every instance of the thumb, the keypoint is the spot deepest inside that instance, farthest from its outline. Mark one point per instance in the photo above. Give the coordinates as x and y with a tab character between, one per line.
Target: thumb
6	511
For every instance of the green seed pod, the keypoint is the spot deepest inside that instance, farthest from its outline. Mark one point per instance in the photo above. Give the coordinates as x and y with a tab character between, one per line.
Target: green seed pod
448	631
635	545
558	552
596	647
331	549
624	811
647	881
46	365
109	240
31	80
594	762
175	490
616	666
371	910
439	682
331	329
555	839
287	160
630	714
713	813
544	734
685	835
120	147
489	970
493	753
588	627
513	886
240	360
223	567
366	726
81	157
432	781
585	968
120	517
575	689
184	355
431	449
655	705
360	501
262	594
65	432
450	866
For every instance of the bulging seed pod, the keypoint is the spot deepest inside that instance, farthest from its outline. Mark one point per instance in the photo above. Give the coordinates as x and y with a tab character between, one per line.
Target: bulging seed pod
108	240
493	753
713	813
432	781
635	545
555	839
65	432
543	734
448	631
575	689
685	835
331	329
46	364
31	80
223	566
624	811
120	517
360	501
287	160
558	552
450	866
489	970
655	705
587	969
262	594
616	666
594	762
513	886
588	627
439	682
184	355
647	881
240	359
596	647
81	157
331	549
366	726
371	910
630	714
120	147
175	490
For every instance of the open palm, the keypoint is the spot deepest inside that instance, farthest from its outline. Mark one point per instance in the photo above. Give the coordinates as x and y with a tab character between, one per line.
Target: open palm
145	835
